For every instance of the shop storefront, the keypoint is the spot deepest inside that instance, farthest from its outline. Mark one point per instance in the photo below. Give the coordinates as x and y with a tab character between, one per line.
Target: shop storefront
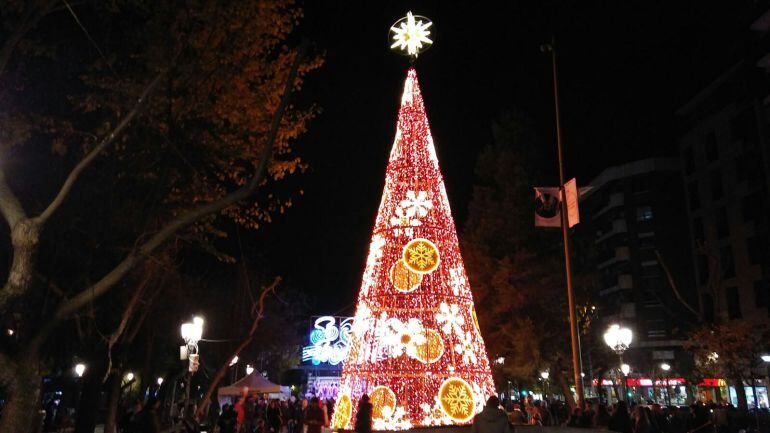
716	390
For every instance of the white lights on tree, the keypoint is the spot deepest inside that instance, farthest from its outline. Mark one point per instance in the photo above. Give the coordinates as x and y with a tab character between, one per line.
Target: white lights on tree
617	338
410	35
625	369
80	369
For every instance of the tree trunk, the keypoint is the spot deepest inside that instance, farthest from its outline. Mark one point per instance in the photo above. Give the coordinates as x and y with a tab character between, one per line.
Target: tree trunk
564	386
25	237
740	392
21	411
111	420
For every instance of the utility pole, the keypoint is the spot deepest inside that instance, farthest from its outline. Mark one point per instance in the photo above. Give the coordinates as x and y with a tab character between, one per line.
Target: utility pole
576	367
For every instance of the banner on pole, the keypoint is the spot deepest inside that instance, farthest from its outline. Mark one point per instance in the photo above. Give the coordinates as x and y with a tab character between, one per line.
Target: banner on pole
547	209
571	191
548	205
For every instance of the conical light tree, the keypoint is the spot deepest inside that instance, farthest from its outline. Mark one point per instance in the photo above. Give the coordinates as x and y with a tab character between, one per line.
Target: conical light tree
415	344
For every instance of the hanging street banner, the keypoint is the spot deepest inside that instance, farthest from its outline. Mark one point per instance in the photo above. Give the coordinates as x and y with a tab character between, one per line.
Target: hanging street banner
547	209
571	191
547	205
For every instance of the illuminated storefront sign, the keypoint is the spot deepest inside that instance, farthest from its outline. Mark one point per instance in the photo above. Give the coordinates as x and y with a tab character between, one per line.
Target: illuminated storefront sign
329	340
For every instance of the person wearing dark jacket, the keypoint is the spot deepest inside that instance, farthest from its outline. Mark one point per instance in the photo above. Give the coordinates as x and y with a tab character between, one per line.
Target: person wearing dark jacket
364	415
620	421
314	417
492	419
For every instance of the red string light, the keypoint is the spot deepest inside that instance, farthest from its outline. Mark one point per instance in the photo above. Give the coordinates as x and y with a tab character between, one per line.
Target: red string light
416	348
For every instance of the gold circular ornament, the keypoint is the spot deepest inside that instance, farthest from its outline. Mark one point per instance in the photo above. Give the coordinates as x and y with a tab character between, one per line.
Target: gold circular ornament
342	412
403	279
456	398
382	397
421	256
432	349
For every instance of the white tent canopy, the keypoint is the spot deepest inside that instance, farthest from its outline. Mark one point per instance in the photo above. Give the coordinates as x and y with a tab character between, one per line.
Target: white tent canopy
254	383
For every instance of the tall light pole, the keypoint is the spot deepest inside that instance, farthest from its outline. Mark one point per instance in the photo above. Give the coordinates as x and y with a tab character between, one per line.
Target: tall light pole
191	334
545	375
577	368
619	339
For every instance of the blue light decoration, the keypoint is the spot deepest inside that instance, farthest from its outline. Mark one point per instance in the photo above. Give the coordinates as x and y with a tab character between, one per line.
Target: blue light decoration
329	341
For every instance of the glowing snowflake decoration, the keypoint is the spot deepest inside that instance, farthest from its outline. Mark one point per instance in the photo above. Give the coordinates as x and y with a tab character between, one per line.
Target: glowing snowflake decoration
392	419
410	210
404	337
465	348
410	34
451	318
457	280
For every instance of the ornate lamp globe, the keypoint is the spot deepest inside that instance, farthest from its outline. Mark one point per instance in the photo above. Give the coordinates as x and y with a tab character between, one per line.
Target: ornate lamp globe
618	338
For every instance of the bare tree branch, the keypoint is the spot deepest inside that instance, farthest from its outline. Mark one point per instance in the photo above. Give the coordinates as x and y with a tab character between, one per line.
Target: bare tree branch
10	207
109	139
187	218
258	309
674	287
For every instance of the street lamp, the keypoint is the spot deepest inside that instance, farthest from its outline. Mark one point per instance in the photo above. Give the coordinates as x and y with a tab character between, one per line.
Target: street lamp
619	339
765	358
80	368
625	369
249	369
160	381
129	376
545	375
665	367
192	332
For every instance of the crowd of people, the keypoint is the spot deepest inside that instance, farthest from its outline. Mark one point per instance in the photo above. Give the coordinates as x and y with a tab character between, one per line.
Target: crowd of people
622	418
252	415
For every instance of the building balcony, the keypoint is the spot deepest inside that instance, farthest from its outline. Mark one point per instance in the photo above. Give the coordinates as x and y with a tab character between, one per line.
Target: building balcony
618	226
616	199
621	254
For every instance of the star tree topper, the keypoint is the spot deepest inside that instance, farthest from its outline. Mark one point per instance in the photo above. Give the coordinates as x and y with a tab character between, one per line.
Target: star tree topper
410	35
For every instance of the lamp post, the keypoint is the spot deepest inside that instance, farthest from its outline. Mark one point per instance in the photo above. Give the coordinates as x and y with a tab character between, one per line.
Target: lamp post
191	334
545	375
619	339
665	367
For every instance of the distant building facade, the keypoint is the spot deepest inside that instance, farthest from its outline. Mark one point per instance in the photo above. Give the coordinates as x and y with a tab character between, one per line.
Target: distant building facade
725	157
630	215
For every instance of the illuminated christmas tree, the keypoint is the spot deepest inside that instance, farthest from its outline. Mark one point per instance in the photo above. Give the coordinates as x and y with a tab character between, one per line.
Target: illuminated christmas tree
415	344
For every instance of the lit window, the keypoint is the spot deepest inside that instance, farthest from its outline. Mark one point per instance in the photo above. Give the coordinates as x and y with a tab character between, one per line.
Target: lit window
644	213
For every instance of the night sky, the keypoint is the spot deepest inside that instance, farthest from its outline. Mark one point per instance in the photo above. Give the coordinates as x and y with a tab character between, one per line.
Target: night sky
625	67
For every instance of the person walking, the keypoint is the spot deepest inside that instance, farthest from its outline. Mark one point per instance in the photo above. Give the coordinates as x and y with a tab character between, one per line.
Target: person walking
491	419
274	417
364	415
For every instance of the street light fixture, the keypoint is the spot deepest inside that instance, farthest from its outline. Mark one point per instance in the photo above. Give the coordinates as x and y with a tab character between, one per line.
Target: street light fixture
80	368
665	367
129	376
234	360
192	332
765	358
160	381
619	340
249	369
625	369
